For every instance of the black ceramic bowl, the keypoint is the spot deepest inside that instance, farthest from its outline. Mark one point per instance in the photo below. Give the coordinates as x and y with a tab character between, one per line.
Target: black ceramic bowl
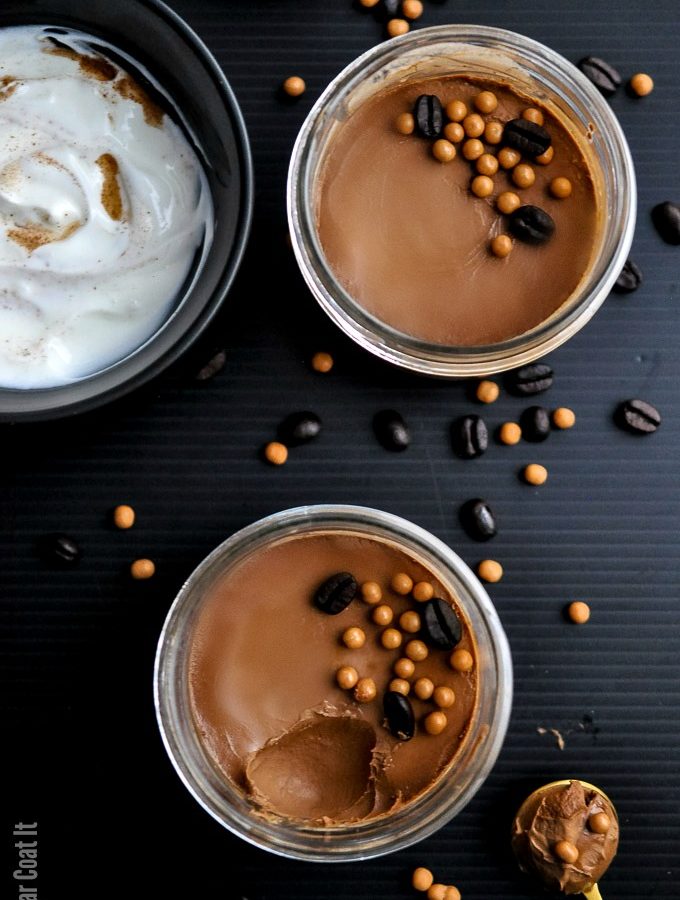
163	44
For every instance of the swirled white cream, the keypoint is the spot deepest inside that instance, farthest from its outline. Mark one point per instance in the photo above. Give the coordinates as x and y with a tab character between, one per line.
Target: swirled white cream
104	207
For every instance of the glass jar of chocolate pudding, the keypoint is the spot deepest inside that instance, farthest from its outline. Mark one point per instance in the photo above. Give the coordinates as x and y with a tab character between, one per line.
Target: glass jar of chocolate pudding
333	683
461	200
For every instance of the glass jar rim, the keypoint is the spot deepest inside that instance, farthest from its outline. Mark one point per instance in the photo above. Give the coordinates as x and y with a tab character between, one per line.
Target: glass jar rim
412	353
373	837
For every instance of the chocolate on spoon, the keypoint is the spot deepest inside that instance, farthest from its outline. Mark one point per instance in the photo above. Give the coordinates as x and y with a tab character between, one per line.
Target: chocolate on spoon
566	834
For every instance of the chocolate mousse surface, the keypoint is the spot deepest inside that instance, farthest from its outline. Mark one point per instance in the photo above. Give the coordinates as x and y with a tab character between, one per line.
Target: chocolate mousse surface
265	701
562	813
405	236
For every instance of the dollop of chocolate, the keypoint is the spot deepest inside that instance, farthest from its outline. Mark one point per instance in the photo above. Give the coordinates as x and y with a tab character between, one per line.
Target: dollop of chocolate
559	814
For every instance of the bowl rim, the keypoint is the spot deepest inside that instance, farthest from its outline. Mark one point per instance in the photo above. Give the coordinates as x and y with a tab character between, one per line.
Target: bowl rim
97	398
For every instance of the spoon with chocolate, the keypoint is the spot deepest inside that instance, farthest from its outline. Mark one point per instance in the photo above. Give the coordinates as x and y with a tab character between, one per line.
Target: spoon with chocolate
566	834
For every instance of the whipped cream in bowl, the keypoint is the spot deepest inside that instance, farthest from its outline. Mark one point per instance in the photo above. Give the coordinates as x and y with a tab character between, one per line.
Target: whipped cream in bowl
106	213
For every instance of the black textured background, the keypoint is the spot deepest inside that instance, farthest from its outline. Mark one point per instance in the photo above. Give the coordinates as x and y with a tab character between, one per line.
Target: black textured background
80	746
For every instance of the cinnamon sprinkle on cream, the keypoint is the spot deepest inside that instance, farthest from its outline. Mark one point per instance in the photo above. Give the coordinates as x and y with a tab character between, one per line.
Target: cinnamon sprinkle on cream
112	200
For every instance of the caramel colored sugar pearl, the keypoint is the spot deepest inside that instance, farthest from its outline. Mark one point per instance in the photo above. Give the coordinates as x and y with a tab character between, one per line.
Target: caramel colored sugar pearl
560	188
579	612
391	639
410	622
322	362
436	722
444	697
501	245
490	570
473	125
533	115
141	569
566	851
400	685
402	584
369	4
486	102
404	667
371	592
443	150
423	688
545	158
383	615
487	164
510	433
454	132
405	123
508	158
472	149
482	186
422	879
487	391
276	453
294	86
523	175
461	660
535	474
507	202
347	677
123	517
397	27
354	638
423	591
452	893
437	892
641	84
456	110
365	690
417	651
412	9
564	418
493	133
599	823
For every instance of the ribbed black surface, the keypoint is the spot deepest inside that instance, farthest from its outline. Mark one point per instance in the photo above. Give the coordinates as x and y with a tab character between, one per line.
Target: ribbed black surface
82	752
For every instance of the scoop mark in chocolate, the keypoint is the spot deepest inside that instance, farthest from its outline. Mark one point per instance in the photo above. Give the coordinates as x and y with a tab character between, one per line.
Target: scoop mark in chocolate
531	224
605	77
637	416
59	548
529	138
299	428
441	627
391	430
535	424
629	280
469	437
666	219
401	720
429	115
532	379
336	593
478	520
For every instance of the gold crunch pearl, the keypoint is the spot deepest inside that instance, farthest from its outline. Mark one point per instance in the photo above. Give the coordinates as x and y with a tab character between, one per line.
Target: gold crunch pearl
493	133
473	125
486	101
487	391
437	892
579	612
123	517
397	27
417	651
533	115
423	591
456	110
141	569
412	9
564	417
599	823
402	584
443	150
347	677
566	851
452	893
508	158
487	164
400	685
410	621
472	149
294	86
454	132
423	688
523	175
510	433
365	690
545	158
444	697
435	723
405	123
391	639
535	474
369	3
383	615
482	186
508	202
371	592
422	879
354	638
404	667
322	362
560	188
501	245
641	84
461	660
490	570
276	453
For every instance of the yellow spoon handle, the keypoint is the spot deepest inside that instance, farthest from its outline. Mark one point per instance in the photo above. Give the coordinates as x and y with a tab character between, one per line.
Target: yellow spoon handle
593	893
